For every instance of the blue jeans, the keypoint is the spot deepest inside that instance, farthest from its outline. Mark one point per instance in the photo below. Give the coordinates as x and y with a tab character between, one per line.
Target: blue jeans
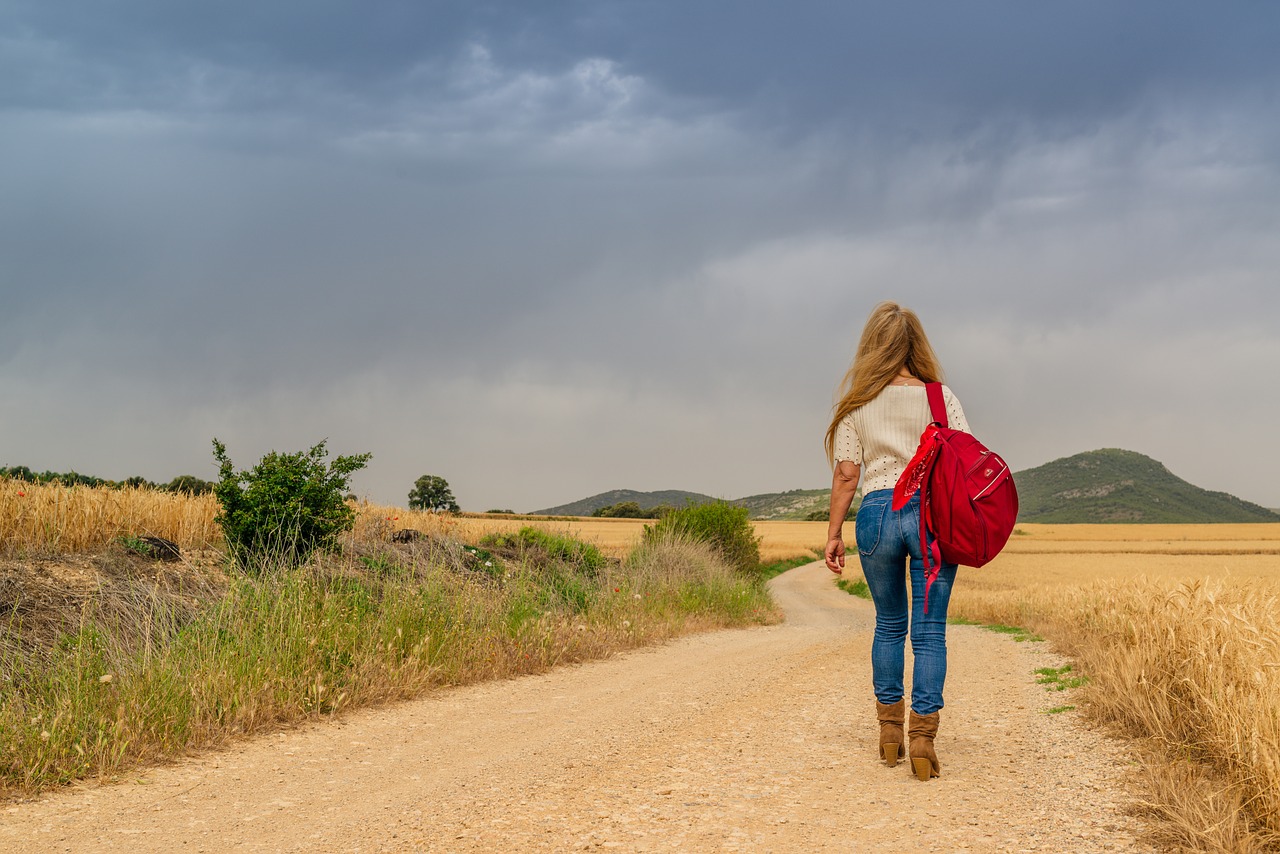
886	539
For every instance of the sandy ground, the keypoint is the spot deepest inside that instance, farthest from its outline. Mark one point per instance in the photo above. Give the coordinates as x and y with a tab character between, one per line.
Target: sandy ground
752	740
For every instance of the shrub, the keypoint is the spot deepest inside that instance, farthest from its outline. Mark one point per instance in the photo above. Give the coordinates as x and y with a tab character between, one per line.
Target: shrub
285	507
724	526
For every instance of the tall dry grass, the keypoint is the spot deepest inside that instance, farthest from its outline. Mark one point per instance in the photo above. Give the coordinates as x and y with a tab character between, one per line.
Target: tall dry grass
57	519
1175	628
1189	668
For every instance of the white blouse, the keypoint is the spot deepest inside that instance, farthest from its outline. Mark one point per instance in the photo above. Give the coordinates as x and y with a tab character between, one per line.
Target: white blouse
883	434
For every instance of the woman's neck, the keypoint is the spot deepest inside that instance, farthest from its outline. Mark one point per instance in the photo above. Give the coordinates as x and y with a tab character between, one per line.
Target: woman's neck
905	377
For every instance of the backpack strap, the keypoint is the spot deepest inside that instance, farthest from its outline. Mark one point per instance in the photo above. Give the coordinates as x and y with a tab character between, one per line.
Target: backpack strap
929	550
937	406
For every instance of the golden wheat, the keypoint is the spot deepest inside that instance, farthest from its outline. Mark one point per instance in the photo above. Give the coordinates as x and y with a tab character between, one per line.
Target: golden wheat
53	519
1182	651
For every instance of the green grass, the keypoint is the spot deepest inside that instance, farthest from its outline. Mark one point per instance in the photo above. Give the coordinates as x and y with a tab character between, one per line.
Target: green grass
1059	678
772	570
559	547
1057	710
854	587
1018	633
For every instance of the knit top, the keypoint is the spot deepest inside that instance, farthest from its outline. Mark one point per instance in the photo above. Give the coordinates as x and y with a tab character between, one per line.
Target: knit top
883	434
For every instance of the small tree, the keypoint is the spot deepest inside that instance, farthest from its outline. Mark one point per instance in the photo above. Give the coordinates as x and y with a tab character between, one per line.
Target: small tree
285	507
189	484
431	493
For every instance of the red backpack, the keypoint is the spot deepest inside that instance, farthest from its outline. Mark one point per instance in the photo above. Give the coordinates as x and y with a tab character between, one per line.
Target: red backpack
968	502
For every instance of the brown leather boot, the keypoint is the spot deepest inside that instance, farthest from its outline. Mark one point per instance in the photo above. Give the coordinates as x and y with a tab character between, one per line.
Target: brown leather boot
922	731
891	749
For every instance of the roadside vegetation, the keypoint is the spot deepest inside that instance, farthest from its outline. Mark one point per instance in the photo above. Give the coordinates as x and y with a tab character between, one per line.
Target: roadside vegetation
1189	670
146	660
777	567
725	527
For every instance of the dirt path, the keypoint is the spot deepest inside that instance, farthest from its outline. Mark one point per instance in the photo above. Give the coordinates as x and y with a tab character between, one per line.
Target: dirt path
756	740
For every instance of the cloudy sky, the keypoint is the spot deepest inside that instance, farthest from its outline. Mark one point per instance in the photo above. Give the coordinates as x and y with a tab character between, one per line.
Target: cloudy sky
549	249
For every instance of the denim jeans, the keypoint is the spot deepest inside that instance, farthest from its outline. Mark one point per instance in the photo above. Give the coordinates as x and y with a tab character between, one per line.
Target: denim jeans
886	540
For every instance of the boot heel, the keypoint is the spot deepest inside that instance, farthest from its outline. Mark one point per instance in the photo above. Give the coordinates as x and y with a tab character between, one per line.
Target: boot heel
891	753
922	767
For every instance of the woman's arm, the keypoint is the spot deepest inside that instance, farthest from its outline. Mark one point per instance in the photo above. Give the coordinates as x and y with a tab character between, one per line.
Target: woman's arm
844	483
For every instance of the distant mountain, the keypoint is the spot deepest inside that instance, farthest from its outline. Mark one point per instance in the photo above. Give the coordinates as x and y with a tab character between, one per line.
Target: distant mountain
1113	485
646	500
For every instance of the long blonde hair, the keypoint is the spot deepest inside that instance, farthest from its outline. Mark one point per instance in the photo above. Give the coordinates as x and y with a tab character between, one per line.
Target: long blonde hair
892	339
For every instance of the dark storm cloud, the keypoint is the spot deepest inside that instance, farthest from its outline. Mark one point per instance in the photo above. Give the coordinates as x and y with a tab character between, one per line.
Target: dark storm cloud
813	60
561	248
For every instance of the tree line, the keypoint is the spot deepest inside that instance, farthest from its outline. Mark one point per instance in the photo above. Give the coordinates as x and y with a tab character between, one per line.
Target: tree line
182	483
430	492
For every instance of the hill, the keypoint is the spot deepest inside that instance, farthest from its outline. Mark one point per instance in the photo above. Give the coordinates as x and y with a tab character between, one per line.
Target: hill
793	504
1113	485
646	500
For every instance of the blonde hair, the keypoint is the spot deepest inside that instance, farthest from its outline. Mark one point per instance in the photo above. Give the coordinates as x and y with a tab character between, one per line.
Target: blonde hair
892	339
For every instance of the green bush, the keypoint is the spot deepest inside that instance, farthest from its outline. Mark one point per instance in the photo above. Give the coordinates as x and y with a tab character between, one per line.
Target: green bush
284	508
726	527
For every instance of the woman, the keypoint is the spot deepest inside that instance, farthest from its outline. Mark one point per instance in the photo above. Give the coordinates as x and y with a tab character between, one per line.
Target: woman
876	429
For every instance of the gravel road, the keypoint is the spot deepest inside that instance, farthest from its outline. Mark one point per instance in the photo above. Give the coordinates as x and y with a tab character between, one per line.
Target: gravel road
752	740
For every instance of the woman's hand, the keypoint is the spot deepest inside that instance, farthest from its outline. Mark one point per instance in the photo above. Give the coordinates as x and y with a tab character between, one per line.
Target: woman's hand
835	555
844	483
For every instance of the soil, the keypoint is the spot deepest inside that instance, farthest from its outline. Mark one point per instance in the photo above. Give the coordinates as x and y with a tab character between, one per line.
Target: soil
748	740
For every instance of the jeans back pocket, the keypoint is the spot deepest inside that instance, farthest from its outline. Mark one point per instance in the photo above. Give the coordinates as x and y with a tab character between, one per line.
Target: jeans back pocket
868	524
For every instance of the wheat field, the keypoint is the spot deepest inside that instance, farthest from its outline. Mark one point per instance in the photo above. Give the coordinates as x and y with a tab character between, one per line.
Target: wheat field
1174	627
55	519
